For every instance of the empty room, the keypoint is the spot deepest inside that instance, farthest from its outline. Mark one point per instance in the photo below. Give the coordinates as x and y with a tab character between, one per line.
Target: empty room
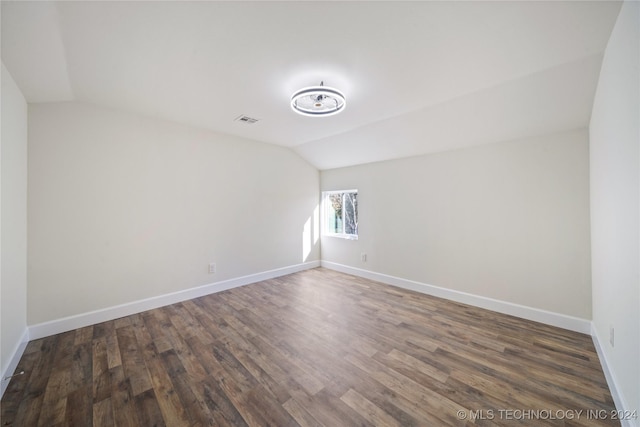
320	213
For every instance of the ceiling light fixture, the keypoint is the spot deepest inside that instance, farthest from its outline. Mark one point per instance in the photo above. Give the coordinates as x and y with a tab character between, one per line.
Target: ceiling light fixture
318	101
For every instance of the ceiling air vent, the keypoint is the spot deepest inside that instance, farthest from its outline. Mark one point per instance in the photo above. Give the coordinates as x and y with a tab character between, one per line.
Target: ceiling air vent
246	119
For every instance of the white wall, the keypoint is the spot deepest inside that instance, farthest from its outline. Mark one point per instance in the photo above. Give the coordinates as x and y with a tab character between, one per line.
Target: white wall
13	225
124	208
508	221
615	205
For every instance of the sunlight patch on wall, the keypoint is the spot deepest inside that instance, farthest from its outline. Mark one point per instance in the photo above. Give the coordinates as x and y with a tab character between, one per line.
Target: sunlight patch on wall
310	233
306	239
316	224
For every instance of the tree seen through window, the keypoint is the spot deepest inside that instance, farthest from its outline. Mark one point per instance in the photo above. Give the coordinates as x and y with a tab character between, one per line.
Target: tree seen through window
342	213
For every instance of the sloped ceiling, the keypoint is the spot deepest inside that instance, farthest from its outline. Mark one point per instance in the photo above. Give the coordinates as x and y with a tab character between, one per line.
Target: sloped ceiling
419	77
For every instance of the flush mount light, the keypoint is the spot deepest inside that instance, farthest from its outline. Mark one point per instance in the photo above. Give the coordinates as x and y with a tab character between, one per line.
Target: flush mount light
318	101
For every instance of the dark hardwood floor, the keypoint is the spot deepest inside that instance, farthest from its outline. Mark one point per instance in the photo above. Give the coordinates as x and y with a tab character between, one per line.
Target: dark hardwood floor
316	348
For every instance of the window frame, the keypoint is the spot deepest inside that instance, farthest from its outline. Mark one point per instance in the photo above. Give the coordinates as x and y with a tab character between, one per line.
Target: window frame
327	212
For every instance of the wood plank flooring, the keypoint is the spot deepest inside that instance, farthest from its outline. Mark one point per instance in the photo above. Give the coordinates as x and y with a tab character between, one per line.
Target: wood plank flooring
316	348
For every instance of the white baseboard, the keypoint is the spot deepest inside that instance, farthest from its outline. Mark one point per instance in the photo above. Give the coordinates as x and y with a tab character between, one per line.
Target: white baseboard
91	318
543	316
618	398
13	362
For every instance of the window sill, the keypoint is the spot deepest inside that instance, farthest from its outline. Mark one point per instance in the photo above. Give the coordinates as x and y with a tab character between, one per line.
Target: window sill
343	236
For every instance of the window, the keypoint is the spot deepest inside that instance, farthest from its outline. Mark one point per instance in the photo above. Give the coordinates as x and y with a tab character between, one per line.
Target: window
341	213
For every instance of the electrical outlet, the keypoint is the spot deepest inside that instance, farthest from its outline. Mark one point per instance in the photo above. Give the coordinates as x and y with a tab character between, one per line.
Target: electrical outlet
212	268
363	257
611	336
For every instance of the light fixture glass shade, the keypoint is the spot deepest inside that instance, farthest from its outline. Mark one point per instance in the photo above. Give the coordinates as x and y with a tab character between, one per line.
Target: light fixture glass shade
318	101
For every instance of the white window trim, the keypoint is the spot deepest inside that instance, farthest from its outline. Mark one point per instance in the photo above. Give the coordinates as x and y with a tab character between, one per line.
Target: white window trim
325	214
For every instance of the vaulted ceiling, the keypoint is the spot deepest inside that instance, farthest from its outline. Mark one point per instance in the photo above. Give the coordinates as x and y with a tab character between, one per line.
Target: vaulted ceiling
419	77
